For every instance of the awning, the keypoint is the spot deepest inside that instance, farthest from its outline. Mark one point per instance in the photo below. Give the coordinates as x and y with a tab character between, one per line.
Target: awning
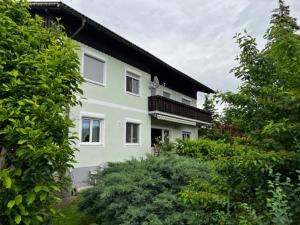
175	120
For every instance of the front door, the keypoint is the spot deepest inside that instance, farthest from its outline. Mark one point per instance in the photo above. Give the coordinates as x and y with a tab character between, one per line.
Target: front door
158	135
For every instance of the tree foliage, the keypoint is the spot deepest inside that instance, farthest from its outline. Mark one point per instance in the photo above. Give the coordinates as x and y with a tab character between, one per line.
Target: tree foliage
267	105
218	129
209	105
39	77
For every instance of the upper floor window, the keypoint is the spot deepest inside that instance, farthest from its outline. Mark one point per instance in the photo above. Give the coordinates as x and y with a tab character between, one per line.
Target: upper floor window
93	69
132	83
166	94
91	130
186	101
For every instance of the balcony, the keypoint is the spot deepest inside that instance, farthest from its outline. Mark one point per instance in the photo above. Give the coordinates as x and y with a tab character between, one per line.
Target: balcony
159	105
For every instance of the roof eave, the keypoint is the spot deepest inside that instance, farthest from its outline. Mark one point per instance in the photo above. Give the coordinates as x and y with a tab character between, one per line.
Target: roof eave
58	5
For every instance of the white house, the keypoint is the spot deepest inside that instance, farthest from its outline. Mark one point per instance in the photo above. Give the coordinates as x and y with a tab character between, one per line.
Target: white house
131	98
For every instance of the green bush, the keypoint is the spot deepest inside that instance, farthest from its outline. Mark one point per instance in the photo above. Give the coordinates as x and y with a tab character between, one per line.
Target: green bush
283	202
244	169
241	188
39	80
203	148
146	192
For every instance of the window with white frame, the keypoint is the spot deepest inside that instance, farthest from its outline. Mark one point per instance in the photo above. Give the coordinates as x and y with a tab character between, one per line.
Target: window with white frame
93	69
166	94
186	101
132	83
91	130
132	133
186	135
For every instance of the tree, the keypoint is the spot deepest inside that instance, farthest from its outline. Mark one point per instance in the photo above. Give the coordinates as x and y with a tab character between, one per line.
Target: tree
39	79
218	129
209	105
267	105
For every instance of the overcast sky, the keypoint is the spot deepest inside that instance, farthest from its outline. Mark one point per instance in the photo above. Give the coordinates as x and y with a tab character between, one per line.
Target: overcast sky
194	36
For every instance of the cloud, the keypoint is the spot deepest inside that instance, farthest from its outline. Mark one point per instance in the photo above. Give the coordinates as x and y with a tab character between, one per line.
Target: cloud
193	36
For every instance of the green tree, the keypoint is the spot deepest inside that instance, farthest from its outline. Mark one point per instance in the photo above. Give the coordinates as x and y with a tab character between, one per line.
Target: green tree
209	104
218	129
39	79
267	105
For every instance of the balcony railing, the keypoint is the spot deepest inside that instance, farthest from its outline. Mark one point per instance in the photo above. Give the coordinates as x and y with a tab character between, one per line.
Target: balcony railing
165	105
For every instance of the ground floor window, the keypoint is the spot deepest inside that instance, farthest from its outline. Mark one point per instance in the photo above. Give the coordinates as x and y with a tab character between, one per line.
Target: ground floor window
186	135
91	130
132	133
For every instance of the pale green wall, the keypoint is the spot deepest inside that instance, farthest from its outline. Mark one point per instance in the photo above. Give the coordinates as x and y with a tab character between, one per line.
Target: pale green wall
112	102
114	91
114	147
116	105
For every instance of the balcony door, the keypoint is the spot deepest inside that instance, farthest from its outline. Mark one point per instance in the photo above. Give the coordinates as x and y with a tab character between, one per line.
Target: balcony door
158	135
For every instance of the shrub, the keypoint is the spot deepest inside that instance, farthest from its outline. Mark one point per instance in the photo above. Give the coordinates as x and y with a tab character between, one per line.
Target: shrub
39	80
283	202
243	172
146	192
203	148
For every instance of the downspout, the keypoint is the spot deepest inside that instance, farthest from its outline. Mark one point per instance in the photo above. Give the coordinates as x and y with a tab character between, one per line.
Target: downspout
83	22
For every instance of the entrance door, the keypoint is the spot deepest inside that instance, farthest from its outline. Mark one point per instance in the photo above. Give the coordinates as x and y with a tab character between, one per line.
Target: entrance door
156	136
159	135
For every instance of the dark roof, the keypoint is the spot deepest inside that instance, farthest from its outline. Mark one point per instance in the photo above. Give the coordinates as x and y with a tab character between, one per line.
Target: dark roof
99	37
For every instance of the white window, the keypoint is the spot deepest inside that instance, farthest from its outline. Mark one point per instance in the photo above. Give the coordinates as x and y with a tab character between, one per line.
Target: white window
91	130
93	69
132	133
166	94
186	101
186	135
132	83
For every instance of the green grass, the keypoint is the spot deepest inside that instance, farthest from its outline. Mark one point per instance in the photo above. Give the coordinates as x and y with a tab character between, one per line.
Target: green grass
72	216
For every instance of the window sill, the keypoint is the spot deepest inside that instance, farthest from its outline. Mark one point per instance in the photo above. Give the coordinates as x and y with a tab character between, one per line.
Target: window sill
91	144
130	93
95	82
132	144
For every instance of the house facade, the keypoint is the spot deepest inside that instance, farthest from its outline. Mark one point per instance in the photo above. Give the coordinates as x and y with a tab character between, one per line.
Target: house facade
131	98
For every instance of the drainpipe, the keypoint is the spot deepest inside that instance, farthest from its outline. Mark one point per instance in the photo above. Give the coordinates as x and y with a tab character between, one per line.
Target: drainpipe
83	21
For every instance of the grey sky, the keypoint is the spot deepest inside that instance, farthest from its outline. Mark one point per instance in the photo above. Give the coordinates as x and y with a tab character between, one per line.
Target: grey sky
195	36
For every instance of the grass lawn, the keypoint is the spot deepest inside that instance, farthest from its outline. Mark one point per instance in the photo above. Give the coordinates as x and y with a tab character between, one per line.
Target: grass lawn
72	216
